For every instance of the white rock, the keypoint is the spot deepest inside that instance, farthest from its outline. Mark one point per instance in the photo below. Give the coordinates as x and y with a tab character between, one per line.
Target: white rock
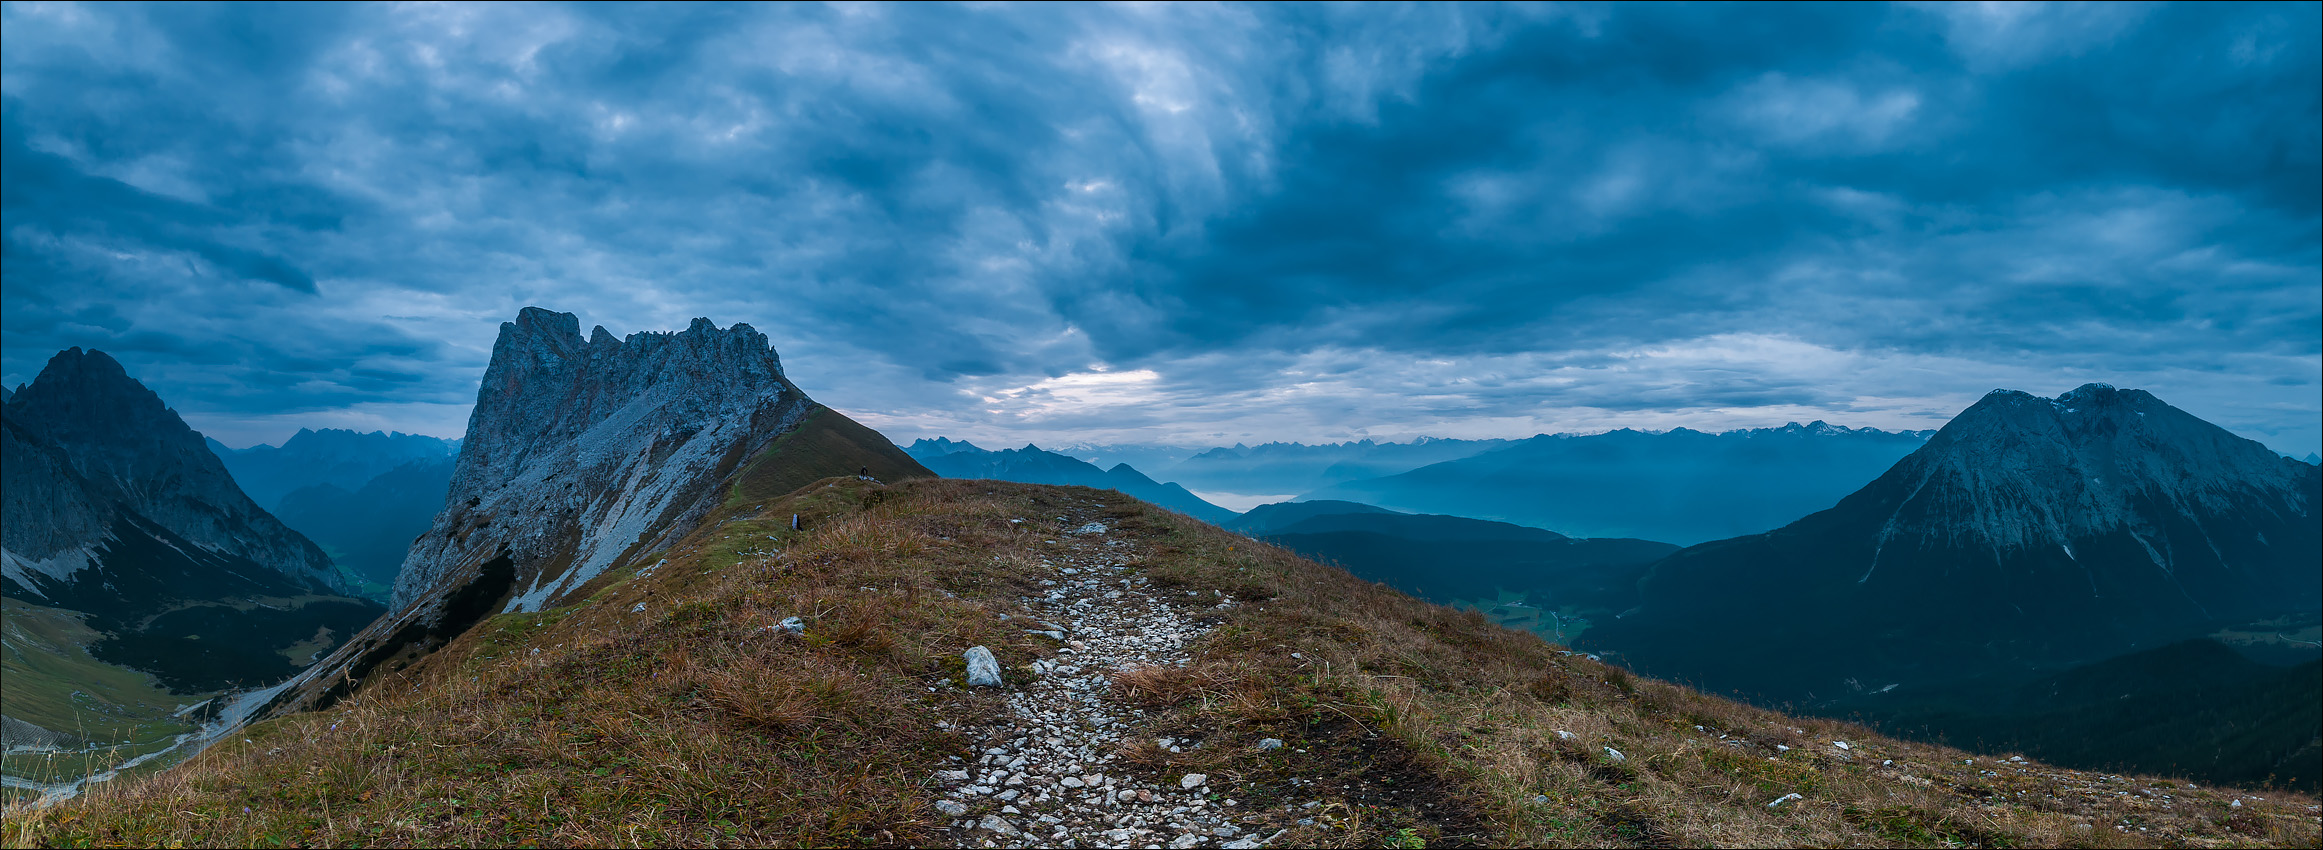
1842	745
1270	743
1192	780
983	669
997	824
1563	735
1615	755
792	625
952	808
1784	799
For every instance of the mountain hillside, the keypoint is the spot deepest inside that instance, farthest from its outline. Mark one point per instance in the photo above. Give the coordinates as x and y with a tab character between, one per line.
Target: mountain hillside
138	578
1032	465
129	449
336	457
370	529
2029	531
1681	486
1519	577
1160	683
1267	518
2196	709
585	453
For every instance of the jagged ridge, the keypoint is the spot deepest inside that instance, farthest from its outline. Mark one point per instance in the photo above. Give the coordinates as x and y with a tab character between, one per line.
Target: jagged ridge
583	452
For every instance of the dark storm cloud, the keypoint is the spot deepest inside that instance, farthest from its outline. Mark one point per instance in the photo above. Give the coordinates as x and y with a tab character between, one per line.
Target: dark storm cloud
1180	221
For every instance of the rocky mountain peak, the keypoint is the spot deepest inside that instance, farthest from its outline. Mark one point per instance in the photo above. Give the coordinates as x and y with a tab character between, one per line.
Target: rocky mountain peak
586	454
577	447
127	448
2029	531
2022	470
84	397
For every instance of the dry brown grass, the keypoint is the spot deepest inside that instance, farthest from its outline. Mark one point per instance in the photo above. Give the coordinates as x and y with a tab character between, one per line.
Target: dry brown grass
693	722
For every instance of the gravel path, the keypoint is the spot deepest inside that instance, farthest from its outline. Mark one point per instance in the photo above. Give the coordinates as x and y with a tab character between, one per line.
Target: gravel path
1041	778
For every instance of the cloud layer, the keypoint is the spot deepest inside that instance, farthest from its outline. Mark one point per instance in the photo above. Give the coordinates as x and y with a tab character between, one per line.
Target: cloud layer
1185	223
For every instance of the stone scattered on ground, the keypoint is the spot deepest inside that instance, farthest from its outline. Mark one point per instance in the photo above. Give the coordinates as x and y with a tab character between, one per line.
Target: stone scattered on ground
1044	772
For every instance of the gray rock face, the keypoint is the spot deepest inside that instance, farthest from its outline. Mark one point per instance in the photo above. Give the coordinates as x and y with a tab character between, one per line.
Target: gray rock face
127	449
52	520
580	450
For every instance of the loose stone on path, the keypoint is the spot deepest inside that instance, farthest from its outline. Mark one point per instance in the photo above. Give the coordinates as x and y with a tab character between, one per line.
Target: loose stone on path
1041	773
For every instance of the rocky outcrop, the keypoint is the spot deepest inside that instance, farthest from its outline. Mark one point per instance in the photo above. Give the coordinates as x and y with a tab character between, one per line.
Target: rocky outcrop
2029	532
580	450
585	453
127	450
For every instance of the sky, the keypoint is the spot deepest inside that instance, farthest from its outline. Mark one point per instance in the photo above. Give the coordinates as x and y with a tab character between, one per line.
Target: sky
1181	223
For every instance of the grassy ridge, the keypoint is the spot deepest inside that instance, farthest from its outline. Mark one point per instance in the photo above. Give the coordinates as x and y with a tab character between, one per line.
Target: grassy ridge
824	440
664	710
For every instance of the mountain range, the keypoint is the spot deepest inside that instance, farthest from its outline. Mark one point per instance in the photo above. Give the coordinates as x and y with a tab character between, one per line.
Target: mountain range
1681	486
1280	467
336	457
363	497
1033	465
